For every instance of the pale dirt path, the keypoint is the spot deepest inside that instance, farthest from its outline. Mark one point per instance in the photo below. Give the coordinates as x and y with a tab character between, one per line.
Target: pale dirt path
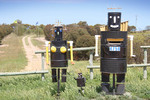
34	60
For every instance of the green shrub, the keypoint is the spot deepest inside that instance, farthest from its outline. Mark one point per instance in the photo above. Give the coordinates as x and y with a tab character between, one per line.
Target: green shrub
5	30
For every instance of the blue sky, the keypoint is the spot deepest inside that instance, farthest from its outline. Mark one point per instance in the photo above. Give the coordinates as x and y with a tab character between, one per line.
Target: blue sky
73	11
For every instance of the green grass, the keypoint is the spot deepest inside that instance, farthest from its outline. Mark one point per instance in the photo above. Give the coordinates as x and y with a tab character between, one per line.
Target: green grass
13	56
32	88
136	84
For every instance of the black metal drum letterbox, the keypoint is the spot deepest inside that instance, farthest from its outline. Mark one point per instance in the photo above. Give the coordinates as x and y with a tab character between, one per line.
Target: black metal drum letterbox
113	52
59	59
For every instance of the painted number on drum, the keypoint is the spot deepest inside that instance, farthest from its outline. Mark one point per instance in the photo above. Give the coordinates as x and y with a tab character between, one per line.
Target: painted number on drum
114	48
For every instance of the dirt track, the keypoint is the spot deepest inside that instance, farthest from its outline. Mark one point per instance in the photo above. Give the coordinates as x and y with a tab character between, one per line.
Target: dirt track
34	60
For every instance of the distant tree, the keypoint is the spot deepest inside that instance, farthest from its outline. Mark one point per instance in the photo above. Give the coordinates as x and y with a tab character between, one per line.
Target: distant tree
19	29
84	41
83	31
19	21
27	25
148	28
74	33
49	33
33	27
42	26
91	30
82	24
28	31
131	28
38	31
74	25
5	30
97	27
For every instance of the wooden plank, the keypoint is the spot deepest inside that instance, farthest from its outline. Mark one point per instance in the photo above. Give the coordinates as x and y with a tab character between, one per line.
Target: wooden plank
124	26
102	28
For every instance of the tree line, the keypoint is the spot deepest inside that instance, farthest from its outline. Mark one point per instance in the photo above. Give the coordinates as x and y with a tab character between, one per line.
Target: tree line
73	30
80	33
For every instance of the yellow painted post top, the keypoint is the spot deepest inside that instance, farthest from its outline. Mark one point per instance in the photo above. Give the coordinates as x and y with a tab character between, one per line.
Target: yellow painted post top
47	55
71	51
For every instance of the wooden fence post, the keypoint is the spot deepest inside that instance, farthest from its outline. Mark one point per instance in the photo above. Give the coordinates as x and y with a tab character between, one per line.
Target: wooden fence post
91	64
42	57
145	62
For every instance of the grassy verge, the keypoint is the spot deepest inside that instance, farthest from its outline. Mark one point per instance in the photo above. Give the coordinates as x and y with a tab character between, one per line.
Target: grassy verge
135	83
32	88
26	41
13	57
38	43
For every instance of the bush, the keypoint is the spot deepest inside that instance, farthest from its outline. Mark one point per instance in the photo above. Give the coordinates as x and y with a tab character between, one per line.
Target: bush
19	29
140	39
73	34
49	34
84	41
39	31
5	30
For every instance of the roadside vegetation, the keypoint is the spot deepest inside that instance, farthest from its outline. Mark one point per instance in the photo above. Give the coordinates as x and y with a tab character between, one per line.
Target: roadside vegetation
12	56
38	43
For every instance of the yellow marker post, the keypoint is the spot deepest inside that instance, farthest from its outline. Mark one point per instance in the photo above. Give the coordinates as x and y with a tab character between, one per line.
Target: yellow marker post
71	51
47	56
